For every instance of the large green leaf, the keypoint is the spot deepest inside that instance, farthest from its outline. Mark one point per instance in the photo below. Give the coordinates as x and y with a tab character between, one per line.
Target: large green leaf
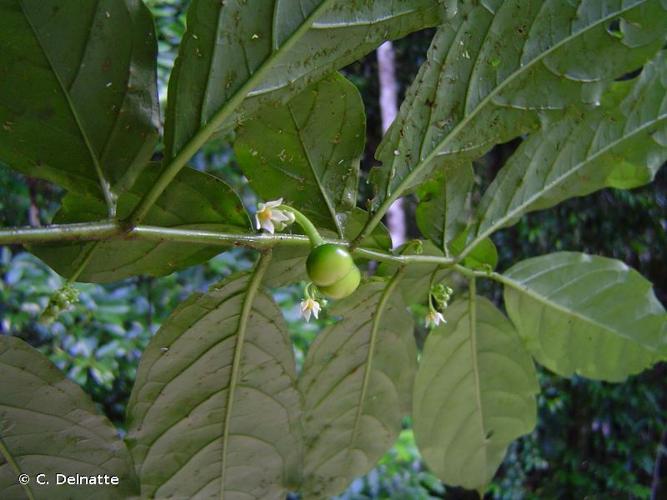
474	394
239	55
78	98
307	151
622	146
357	385
443	210
500	68
585	314
214	411
194	200
49	426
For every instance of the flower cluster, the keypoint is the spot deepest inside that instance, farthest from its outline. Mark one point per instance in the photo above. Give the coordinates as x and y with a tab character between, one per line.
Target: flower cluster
438	300
61	300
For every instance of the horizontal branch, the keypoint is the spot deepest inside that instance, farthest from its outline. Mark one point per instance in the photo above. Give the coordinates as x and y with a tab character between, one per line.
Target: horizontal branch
82	231
110	230
492	275
256	241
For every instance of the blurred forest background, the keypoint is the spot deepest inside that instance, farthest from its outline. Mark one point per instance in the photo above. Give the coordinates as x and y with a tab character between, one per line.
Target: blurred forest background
594	440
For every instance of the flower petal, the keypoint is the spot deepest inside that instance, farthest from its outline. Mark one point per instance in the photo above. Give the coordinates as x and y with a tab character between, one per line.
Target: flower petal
279	216
274	203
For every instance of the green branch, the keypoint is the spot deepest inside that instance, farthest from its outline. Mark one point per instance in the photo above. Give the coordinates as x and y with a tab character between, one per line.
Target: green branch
469	273
83	231
108	230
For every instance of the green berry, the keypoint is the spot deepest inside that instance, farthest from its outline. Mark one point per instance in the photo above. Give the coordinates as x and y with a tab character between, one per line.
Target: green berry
328	263
343	287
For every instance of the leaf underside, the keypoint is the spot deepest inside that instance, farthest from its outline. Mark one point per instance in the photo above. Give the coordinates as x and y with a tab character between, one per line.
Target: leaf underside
474	394
587	315
356	384
49	425
307	152
622	146
443	211
78	93
214	409
236	57
500	69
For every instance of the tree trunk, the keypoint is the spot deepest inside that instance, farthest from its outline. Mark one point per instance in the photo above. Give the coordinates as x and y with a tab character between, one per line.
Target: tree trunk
389	109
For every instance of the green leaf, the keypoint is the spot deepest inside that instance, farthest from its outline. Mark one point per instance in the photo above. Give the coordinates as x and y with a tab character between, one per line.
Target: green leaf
78	94
236	57
194	200
48	425
214	410
623	147
443	210
357	385
288	266
474	394
308	151
585	314
379	239
483	256
499	69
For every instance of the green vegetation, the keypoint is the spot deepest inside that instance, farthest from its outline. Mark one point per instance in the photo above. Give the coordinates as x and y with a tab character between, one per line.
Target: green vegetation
185	325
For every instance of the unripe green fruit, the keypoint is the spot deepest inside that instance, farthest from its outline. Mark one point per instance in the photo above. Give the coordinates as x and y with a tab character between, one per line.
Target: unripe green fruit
343	287
328	263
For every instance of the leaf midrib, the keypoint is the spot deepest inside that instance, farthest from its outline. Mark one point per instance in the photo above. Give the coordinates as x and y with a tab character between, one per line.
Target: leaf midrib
355	24
521	71
246	310
4	451
472	318
258	92
377	318
103	183
311	165
524	289
558	181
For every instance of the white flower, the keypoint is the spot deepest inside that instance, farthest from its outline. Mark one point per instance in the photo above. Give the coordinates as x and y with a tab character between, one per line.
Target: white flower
310	306
270	218
434	318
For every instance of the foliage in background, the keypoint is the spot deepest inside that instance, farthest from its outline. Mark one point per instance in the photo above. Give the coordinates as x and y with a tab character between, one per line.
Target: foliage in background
586	428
